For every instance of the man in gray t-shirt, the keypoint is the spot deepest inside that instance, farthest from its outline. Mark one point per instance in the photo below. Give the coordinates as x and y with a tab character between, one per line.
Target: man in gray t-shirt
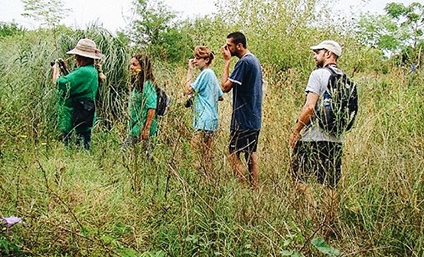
317	152
317	84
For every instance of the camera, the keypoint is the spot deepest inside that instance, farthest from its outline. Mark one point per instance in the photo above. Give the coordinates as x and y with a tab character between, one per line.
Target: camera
189	101
61	64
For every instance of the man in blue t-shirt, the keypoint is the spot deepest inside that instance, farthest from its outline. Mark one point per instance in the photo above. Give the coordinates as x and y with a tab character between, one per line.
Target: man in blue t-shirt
246	82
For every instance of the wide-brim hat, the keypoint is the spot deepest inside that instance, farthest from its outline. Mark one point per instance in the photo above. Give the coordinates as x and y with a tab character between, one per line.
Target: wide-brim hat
329	45
87	48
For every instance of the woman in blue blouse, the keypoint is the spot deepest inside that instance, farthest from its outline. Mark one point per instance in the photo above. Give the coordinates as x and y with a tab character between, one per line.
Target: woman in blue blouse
207	92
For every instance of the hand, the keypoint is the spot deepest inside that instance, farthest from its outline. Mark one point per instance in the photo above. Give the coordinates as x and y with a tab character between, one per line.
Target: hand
62	63
226	53
145	134
190	64
294	137
55	73
102	77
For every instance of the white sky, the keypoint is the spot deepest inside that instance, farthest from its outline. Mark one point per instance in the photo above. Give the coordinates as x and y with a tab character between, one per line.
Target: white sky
111	13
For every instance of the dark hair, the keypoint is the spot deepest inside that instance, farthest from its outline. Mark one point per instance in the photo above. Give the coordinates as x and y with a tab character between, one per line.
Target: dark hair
88	60
145	74
204	52
237	38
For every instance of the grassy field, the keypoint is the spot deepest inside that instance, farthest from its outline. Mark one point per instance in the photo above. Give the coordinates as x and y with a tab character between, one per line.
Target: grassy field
110	202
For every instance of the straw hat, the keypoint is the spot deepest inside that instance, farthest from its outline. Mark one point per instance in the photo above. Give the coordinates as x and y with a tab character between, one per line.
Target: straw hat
87	48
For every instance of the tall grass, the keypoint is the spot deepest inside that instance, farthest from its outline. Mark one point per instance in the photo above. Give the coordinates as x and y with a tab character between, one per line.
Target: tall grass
109	202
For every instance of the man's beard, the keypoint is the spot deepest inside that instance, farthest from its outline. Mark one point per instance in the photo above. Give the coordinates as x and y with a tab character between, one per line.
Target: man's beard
320	64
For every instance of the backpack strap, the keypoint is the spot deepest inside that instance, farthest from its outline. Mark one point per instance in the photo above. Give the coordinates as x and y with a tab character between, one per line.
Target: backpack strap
332	74
335	74
331	70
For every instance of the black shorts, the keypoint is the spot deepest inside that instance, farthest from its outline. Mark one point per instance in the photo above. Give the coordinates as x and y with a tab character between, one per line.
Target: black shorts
322	158
243	141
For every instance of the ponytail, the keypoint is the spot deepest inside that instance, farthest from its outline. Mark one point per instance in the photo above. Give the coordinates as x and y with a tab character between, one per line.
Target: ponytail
102	76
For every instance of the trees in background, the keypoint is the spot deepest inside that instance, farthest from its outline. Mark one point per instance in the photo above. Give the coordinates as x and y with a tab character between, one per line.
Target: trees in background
278	32
157	31
49	12
398	31
10	28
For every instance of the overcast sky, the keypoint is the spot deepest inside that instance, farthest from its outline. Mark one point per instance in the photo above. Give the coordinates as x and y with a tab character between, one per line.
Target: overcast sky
115	14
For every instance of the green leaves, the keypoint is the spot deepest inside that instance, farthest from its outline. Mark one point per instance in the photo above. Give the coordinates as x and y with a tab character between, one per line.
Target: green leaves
379	31
157	31
323	247
319	243
395	10
9	29
291	253
48	12
402	26
191	238
7	246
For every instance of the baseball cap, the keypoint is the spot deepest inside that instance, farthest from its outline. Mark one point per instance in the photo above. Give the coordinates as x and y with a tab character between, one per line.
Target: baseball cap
329	45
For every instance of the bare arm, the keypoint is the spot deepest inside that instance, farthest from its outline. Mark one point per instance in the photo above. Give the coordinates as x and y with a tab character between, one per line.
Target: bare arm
304	117
58	66
55	73
189	76
146	130
226	85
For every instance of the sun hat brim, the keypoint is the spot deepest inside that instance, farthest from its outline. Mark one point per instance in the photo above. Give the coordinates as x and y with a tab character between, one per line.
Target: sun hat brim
86	54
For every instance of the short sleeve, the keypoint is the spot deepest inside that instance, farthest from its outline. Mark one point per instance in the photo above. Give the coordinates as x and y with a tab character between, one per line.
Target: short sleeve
65	83
70	78
200	83
62	81
151	95
317	82
238	73
214	81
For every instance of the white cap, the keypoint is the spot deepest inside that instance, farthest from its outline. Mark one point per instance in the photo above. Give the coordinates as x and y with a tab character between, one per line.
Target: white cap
329	45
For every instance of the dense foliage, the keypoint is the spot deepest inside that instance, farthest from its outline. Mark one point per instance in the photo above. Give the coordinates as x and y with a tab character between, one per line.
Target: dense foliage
400	30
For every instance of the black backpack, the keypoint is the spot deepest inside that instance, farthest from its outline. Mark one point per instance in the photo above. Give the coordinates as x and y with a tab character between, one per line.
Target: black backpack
162	105
337	108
